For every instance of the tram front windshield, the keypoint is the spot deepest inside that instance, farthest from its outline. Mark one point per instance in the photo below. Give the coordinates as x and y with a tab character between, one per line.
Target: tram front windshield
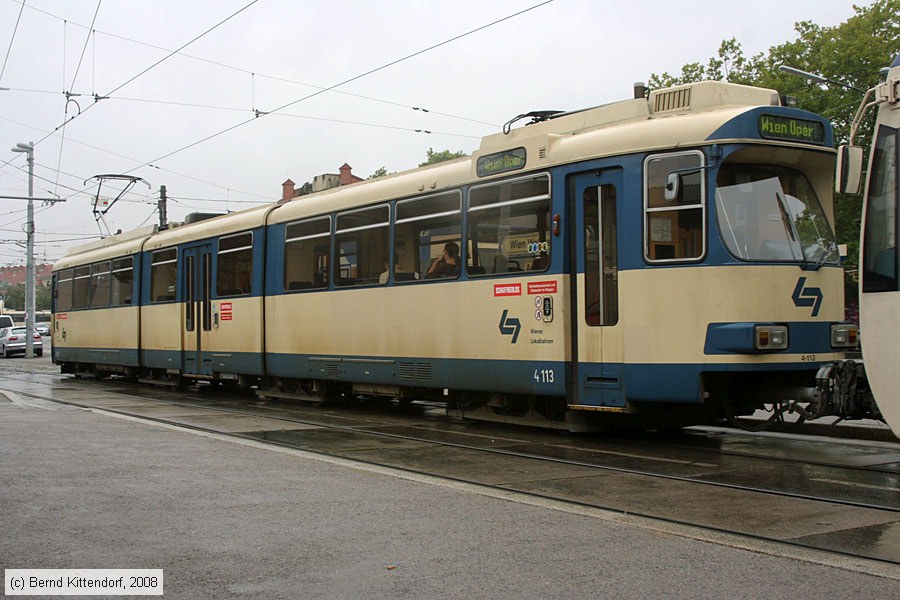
770	213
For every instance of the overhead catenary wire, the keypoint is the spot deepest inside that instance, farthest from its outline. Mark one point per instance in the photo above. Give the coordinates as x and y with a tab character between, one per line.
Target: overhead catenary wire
280	109
183	46
349	80
220	200
37	176
154	65
87	39
119	155
69	237
262	113
62	140
146	198
68	120
37	211
312	118
254	74
150	216
11	40
314	94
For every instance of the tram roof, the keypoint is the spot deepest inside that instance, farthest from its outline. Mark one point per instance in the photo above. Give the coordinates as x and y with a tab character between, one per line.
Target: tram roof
235	222
122	244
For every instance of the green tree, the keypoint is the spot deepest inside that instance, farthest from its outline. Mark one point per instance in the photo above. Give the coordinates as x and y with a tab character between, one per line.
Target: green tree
379	172
729	64
42	298
431	157
851	52
436	157
15	297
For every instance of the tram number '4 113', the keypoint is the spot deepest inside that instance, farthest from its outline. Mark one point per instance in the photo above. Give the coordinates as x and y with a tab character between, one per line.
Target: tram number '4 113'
543	376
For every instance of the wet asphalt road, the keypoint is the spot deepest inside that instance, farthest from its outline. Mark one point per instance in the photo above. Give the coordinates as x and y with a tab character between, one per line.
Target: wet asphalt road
237	519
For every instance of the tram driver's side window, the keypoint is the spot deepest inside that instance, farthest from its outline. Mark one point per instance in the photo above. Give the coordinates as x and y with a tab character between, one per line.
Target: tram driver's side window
674	225
880	251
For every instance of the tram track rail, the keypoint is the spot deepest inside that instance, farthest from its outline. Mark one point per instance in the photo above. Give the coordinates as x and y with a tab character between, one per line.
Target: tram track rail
286	412
693	441
384	442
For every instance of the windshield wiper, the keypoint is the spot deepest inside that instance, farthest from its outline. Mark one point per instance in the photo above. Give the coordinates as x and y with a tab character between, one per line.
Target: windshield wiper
790	227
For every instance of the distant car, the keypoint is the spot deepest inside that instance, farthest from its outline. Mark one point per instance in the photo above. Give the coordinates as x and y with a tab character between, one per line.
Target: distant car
12	341
42	328
6	321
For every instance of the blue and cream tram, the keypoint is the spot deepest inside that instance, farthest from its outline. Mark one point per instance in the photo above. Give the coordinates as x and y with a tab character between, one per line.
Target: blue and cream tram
662	260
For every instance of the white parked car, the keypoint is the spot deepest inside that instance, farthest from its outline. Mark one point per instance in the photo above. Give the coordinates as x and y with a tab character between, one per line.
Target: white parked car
12	341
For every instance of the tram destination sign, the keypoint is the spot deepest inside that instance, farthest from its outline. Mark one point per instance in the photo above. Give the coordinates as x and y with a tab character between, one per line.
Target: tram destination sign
791	129
500	162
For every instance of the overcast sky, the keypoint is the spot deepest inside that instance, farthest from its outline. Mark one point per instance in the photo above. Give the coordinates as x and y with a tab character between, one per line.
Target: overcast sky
564	55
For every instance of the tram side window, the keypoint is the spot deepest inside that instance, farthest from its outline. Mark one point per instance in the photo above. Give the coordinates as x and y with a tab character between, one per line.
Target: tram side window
422	228
361	244
99	297
122	281
674	230
81	287
306	252
234	268
509	227
163	272
880	244
64	290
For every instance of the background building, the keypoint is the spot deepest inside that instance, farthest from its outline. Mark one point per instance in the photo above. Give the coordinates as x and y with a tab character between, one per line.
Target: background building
319	183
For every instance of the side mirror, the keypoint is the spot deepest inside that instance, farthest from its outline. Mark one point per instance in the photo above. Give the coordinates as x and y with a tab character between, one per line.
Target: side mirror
848	173
673	186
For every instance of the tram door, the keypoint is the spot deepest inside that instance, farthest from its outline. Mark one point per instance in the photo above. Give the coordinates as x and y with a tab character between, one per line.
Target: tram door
597	342
197	313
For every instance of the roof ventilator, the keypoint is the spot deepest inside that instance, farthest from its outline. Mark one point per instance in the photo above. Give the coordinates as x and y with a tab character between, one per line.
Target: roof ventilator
677	99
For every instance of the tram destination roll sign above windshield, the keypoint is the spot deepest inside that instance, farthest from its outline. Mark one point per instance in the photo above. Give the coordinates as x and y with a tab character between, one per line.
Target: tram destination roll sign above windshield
501	162
791	129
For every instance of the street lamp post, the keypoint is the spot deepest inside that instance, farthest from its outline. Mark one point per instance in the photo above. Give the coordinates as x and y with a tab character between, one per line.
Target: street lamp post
28	149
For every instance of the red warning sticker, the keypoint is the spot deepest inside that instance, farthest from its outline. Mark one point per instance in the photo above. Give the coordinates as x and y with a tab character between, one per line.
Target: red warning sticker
542	287
507	289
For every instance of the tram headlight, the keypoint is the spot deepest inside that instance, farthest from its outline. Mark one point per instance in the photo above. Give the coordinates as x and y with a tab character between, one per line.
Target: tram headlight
770	337
844	335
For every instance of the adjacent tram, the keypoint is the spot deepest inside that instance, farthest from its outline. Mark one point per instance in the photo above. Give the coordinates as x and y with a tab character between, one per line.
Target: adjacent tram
656	262
879	297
